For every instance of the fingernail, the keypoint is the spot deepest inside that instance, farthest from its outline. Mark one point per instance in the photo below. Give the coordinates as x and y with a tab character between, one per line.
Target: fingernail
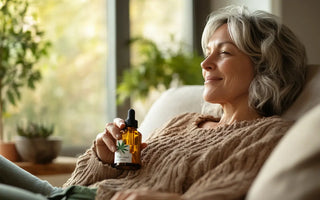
113	149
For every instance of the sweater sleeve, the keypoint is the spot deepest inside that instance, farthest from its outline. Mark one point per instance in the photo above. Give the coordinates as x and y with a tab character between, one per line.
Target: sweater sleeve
233	177
90	170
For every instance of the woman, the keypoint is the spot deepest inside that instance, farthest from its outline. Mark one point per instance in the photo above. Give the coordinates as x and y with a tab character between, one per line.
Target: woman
254	68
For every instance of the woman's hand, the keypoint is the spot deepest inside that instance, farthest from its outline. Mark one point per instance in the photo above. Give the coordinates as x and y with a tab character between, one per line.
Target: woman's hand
106	141
145	194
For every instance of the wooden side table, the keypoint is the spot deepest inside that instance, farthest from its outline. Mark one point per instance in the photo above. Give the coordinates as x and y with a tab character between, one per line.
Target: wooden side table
60	165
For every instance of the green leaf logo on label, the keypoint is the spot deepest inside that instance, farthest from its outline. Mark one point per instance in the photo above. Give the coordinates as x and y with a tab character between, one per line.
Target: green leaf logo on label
122	147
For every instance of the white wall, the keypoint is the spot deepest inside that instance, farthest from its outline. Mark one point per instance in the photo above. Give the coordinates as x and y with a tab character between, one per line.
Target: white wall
251	4
303	17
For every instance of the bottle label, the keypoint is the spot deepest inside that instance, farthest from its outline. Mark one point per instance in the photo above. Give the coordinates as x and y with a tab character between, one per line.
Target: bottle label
122	155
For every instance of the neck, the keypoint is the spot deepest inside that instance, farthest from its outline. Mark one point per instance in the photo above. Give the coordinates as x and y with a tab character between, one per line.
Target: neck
237	112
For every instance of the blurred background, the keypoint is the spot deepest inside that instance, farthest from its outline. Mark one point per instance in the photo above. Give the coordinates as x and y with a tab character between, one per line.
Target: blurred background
109	55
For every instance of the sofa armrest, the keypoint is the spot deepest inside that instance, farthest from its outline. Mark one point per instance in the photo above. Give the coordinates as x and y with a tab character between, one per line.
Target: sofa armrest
292	172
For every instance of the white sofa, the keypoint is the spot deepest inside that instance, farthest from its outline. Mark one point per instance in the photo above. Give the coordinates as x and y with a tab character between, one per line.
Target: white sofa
293	169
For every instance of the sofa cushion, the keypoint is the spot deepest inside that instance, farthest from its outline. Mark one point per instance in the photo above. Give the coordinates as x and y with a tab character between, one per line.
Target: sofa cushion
292	171
171	103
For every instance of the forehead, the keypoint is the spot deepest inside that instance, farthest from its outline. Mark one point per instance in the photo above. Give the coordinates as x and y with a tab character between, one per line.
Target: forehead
220	35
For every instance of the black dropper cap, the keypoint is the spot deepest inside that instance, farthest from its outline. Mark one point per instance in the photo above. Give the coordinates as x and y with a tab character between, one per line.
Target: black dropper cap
131	121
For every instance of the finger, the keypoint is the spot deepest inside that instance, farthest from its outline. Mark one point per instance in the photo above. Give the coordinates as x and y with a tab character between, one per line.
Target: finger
116	196
104	154
121	195
109	142
120	123
113	130
137	195
99	140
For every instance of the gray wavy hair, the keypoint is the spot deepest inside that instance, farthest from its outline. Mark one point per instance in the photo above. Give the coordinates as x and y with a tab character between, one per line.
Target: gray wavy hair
277	54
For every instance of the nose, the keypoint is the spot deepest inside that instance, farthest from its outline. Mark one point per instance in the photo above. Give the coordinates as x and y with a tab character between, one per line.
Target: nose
208	64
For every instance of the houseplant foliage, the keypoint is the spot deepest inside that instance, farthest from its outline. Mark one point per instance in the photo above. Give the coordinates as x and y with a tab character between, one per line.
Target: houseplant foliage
35	130
158	69
34	143
22	45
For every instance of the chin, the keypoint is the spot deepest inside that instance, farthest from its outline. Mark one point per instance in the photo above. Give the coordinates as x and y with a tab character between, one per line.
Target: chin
208	97
211	96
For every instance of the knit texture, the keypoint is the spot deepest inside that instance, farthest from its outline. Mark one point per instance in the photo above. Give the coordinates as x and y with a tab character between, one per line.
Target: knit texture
198	163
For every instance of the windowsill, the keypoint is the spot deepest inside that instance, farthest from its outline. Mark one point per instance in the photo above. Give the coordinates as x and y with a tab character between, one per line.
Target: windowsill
60	165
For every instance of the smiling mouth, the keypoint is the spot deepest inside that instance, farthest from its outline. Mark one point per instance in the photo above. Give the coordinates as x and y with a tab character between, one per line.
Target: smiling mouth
212	80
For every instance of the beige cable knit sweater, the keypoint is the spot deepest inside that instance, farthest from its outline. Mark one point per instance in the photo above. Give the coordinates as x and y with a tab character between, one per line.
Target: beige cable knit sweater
198	163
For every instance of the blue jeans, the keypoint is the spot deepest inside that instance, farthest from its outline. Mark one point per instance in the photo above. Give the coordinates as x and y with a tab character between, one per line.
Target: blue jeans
16	183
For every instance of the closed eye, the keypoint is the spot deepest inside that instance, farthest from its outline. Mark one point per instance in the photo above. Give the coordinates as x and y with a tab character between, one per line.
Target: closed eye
225	52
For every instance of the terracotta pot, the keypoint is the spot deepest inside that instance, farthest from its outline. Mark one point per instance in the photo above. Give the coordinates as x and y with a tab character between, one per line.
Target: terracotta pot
38	150
9	151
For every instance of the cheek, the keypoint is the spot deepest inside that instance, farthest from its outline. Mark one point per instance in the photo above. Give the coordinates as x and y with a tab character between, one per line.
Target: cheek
239	71
248	75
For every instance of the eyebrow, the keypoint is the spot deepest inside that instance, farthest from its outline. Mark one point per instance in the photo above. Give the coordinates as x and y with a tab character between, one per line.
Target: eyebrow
222	43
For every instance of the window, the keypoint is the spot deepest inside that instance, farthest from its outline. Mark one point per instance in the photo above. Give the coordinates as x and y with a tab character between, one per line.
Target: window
167	23
160	20
71	94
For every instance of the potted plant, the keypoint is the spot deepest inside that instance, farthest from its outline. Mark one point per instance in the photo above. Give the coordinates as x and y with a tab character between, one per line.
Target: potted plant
22	45
35	144
158	68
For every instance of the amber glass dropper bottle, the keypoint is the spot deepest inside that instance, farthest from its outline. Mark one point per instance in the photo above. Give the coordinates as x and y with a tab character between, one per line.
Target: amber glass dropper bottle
128	151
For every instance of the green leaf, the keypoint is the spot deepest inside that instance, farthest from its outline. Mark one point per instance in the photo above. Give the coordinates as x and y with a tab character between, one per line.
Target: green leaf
17	92
11	97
